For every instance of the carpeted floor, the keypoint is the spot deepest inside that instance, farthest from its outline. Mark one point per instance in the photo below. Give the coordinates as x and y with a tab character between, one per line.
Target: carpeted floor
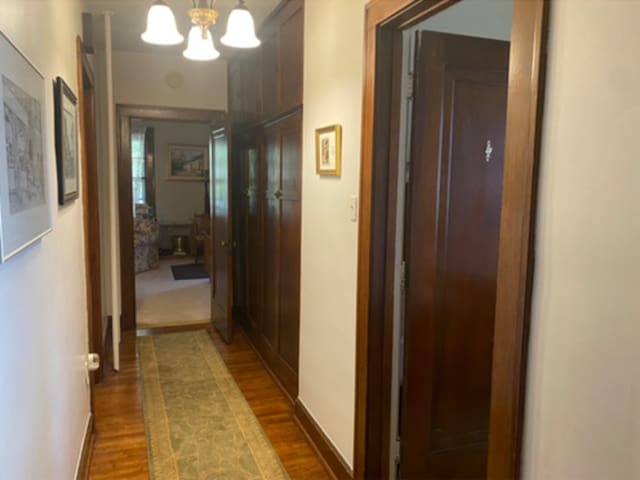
198	424
162	301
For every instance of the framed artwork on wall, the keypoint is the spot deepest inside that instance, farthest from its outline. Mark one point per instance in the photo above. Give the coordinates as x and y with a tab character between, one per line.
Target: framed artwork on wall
329	150
189	162
25	203
66	120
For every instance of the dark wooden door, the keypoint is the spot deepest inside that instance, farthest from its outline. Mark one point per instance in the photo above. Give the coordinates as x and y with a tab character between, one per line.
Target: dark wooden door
451	248
279	335
252	244
289	258
290	55
271	238
221	229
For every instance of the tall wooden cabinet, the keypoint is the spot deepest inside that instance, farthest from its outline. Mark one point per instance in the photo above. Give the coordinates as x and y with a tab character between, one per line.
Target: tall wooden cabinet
265	101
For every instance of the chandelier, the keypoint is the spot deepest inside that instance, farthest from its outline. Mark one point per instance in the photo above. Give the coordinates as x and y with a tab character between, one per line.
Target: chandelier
162	29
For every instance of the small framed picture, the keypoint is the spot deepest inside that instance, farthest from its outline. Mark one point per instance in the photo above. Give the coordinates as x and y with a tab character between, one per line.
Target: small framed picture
189	162
66	128
329	150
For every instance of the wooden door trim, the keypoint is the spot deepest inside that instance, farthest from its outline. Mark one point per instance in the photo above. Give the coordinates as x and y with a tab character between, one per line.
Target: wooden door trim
124	114
91	222
383	20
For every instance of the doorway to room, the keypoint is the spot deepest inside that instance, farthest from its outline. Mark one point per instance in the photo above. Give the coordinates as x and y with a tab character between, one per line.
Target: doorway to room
171	232
448	178
165	221
448	223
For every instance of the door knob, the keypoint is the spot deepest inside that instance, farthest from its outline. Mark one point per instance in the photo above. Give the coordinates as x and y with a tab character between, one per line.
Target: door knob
277	194
224	243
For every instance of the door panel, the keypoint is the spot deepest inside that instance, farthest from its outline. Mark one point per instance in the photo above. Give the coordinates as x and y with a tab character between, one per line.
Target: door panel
278	334
253	242
271	237
290	47
451	246
222	293
269	75
290	211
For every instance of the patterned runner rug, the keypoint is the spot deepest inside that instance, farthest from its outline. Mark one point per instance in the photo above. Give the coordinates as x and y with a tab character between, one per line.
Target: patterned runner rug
198	424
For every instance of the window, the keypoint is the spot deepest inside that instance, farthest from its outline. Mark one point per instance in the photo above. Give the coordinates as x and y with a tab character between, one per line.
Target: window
139	169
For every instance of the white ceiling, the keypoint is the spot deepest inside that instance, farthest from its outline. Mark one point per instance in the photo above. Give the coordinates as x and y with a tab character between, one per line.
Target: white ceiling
130	16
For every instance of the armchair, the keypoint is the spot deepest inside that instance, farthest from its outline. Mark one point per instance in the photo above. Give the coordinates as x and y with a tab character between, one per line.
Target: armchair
146	232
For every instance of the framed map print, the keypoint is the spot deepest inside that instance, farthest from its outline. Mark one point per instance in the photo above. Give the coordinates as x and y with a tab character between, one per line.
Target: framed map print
25	205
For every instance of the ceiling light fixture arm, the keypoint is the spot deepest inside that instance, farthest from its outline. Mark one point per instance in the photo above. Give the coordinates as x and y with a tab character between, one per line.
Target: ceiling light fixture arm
203	15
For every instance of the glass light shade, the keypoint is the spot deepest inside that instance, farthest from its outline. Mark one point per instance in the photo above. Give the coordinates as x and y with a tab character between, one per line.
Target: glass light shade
241	31
161	26
199	48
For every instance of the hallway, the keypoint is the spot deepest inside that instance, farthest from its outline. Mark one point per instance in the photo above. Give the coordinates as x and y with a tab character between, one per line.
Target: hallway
120	450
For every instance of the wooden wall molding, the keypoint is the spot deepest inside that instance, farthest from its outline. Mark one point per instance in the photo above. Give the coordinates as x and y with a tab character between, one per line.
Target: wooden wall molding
384	19
330	456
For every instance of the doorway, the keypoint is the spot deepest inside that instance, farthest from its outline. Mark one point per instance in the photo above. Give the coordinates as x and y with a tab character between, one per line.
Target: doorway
165	222
444	271
170	184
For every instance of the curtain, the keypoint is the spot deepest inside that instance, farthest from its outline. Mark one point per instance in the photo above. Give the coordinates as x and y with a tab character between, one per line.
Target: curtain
149	155
138	169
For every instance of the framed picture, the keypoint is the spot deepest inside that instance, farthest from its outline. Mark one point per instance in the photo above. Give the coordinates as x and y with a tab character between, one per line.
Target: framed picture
329	150
189	162
66	112
25	203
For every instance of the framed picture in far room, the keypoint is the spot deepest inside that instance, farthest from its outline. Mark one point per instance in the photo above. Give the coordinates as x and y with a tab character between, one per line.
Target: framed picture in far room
189	162
25	204
66	112
329	150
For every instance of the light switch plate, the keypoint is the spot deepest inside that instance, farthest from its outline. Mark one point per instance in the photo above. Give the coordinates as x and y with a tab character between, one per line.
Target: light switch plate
353	208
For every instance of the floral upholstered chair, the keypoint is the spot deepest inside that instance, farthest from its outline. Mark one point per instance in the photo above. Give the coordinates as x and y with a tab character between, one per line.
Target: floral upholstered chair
146	232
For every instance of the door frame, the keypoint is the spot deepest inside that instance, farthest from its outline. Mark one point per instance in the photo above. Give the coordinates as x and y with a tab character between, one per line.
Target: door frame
384	22
90	205
124	115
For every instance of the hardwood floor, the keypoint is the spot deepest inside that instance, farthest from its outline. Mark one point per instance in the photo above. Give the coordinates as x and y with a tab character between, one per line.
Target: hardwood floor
120	450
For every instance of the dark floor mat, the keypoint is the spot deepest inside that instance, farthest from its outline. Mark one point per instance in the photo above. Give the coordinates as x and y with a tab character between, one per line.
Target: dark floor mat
190	271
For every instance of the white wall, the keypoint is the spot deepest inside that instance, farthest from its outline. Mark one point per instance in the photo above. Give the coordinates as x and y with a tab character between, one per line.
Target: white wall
141	79
44	404
583	401
176	202
334	34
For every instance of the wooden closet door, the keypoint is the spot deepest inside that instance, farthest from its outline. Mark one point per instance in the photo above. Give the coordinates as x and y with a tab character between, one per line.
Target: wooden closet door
290	55
290	210
269	329
282	192
269	76
253	240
